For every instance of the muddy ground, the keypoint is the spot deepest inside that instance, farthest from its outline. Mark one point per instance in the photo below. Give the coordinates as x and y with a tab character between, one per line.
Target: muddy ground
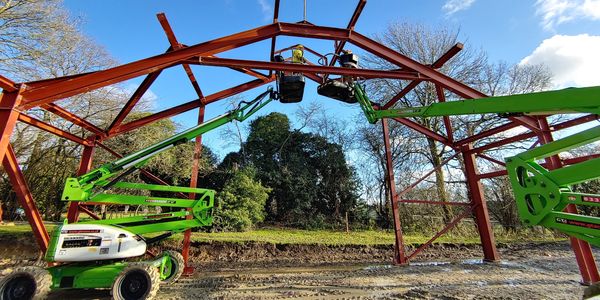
266	271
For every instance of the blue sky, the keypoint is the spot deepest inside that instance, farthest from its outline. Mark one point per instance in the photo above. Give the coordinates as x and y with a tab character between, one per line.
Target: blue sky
564	34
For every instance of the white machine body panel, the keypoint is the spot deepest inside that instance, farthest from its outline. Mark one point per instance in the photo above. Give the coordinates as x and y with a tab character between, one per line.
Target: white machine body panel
88	242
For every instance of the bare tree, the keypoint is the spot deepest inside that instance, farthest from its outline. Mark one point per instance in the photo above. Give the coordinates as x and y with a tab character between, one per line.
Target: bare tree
471	67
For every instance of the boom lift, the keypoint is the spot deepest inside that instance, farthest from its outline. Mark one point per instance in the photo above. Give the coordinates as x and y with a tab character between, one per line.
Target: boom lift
92	254
541	194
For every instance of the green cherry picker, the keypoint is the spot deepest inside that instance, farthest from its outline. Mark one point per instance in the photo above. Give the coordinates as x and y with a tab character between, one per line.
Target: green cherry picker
541	194
94	254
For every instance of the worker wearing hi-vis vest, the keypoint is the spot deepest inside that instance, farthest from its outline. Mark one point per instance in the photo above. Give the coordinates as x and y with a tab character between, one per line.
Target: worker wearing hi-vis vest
298	55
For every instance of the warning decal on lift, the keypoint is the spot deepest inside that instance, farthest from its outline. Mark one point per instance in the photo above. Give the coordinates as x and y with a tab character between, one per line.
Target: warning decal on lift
578	223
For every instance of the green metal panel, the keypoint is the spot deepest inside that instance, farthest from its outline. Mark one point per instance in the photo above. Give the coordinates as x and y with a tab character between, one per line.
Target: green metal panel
578	173
53	243
571	100
571	142
86	276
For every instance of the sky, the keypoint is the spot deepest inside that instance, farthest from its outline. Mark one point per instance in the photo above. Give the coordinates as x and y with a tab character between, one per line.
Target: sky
562	34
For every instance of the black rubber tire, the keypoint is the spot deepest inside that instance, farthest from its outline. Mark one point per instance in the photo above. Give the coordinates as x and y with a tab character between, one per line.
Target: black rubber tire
136	281
178	266
26	283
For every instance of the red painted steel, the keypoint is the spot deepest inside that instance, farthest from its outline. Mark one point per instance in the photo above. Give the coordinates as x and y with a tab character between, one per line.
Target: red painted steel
414	184
133	100
488	133
436	65
303	68
479	206
340	46
191	105
54	91
583	251
189	270
399	257
425	131
7	84
85	164
529	135
88	212
19	184
439	233
71	117
434	202
491	159
162	18
49	128
447	124
8	117
403	61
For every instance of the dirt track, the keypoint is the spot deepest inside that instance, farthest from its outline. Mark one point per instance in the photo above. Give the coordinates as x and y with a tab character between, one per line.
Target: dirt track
260	271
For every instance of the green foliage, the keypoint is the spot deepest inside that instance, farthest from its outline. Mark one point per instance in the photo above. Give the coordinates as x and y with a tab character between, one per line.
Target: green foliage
308	175
241	203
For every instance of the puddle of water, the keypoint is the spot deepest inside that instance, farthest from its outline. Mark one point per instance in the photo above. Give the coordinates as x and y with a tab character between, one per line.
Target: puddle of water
430	263
472	262
511	282
378	267
510	264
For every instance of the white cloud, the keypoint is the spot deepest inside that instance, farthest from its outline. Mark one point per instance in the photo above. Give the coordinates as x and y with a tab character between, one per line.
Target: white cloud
454	6
266	9
556	12
573	60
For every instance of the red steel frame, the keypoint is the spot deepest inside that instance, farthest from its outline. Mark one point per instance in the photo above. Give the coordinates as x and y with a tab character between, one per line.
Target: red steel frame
17	99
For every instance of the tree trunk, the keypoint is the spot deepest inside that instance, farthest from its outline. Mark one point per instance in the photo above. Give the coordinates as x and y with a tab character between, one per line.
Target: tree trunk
440	180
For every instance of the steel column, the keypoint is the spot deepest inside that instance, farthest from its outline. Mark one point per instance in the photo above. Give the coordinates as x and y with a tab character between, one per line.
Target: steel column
19	184
193	184
85	164
447	123
399	257
583	252
479	206
8	117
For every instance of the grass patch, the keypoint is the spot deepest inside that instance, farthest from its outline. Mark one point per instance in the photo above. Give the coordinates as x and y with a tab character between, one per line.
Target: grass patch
322	237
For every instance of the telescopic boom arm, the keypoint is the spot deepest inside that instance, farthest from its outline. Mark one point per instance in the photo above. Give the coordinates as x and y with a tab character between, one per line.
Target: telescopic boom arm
541	194
101	176
93	187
